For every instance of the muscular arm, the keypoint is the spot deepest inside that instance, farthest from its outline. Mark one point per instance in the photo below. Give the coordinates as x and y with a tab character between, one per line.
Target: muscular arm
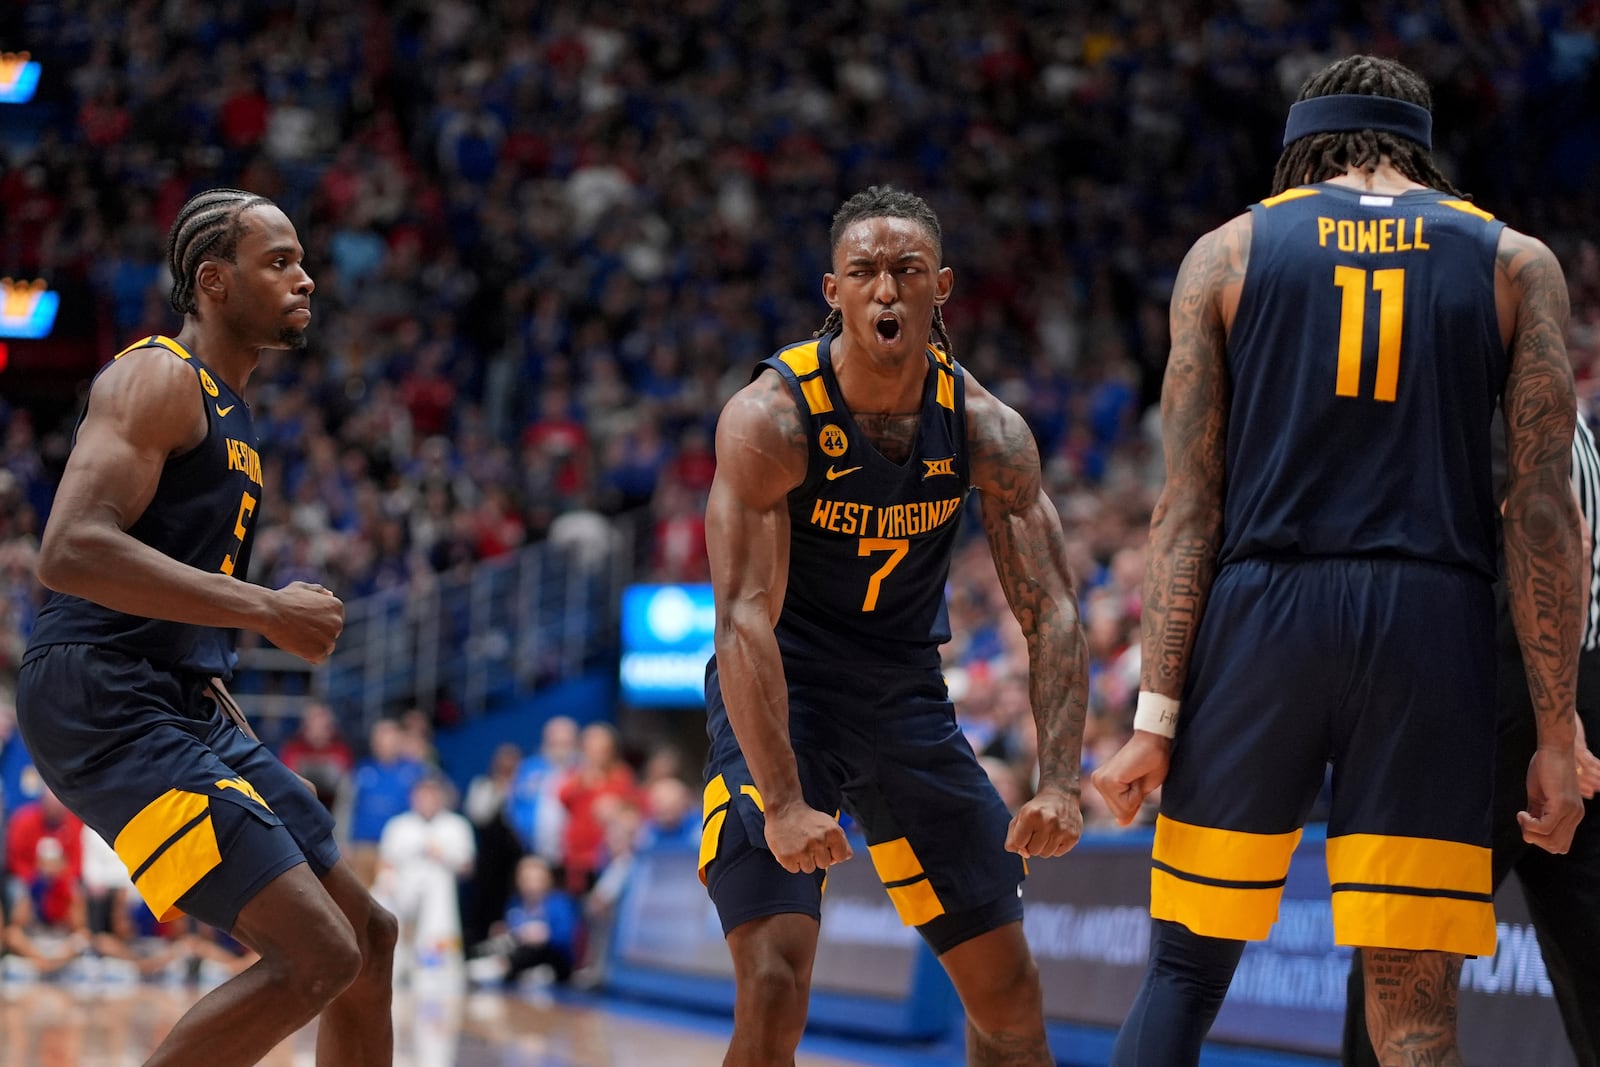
761	456
143	410
1545	568
1024	533
1186	527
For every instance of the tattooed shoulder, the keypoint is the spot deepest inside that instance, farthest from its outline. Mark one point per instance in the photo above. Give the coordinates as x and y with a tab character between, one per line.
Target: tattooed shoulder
761	429
1004	457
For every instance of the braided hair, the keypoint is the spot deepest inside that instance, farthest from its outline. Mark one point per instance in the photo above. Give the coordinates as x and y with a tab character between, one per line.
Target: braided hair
208	227
1327	155
886	202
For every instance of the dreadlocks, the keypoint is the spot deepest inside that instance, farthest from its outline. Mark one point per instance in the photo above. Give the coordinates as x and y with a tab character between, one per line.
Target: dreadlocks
886	202
208	227
1327	155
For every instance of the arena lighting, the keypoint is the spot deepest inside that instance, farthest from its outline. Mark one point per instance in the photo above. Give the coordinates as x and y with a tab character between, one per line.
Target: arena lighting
27	309
19	77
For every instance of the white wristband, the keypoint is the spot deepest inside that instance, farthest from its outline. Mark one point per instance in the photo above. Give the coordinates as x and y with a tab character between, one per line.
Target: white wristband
1156	713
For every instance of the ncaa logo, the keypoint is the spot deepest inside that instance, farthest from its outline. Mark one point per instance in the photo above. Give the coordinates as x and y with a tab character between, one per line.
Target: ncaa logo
833	441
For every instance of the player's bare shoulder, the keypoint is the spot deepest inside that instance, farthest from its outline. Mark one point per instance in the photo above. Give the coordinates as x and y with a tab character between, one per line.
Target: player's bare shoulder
761	436
1003	455
151	396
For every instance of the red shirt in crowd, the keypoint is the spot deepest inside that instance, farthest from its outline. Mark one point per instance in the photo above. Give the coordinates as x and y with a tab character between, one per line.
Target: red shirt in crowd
584	847
28	828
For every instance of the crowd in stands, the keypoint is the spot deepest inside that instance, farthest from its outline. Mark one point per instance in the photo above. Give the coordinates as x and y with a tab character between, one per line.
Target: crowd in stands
549	239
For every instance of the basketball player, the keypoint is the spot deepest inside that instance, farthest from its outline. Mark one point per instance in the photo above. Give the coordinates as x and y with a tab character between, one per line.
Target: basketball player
842	471
145	553
1322	563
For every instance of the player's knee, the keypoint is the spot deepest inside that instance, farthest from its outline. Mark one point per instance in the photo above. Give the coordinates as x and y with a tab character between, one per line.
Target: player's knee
320	966
1010	1000
774	993
383	933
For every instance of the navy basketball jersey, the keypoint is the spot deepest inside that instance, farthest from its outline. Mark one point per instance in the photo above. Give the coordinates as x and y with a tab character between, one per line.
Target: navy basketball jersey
1365	362
204	514
870	540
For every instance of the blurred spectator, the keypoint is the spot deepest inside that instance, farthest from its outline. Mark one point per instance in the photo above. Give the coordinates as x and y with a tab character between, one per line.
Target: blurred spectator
600	775
499	848
424	853
46	926
417	737
19	782
672	814
319	754
540	930
120	927
44	853
535	809
381	789
624	835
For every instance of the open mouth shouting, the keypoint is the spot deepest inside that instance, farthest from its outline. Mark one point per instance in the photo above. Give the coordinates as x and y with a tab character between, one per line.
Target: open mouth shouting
889	330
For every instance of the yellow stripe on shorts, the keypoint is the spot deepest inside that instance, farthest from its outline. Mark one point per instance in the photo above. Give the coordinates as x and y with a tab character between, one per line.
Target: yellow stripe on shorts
1219	883
176	830
1412	893
905	881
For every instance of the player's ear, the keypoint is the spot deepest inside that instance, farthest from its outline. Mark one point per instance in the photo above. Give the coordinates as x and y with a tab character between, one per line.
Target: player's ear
944	281
211	279
830	290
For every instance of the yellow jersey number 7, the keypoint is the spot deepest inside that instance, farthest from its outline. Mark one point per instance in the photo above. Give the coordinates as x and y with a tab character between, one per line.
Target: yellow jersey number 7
897	547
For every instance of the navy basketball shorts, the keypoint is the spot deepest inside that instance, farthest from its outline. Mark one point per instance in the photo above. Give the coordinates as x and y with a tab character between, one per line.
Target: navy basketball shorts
202	815
1387	669
881	744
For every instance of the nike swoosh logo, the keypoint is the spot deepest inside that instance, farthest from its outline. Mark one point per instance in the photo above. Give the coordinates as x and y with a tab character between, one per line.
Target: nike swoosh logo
223	411
832	474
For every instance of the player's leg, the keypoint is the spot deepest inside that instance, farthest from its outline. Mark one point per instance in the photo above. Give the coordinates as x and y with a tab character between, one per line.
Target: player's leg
936	830
1411	1006
125	746
772	959
309	956
1513	749
1409	856
769	916
998	982
1247	764
356	1029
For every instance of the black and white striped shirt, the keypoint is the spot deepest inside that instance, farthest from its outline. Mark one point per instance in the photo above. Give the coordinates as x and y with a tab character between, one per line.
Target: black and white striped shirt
1586	483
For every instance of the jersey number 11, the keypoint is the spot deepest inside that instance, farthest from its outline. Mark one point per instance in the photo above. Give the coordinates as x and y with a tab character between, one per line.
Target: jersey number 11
1391	286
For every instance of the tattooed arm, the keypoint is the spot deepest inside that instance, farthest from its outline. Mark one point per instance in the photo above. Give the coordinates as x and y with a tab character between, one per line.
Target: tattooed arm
1186	527
1543	541
761	456
1024	533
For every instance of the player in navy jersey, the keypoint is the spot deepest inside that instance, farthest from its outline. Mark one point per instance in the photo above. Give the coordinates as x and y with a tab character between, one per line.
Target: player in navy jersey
841	473
1321	569
120	697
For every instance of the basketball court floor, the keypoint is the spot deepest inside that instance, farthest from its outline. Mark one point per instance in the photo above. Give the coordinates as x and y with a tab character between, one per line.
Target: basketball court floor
47	1025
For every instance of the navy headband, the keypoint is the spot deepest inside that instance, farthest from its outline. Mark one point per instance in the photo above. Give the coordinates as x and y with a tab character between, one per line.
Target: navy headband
1345	112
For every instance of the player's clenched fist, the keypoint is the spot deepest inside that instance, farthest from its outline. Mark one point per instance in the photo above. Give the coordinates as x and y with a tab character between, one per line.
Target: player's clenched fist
306	621
804	839
1048	825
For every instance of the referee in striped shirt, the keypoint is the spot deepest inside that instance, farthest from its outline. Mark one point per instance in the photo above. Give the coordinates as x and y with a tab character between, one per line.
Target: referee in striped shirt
1563	892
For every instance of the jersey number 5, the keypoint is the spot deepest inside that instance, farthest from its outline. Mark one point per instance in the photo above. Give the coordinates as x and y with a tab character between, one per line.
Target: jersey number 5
1391	286
247	508
897	547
